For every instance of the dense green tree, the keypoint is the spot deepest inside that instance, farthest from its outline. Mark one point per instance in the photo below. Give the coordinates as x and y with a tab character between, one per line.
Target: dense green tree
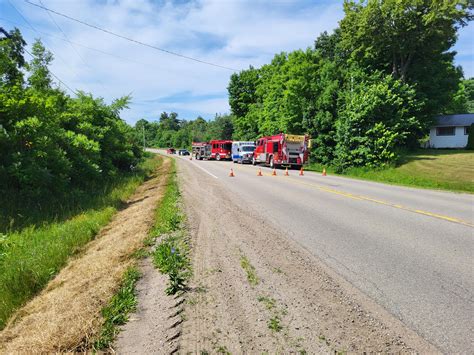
11	57
40	76
469	91
50	142
379	115
410	40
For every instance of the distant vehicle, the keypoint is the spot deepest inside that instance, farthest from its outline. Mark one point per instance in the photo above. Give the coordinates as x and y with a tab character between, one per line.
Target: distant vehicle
282	150
242	152
183	152
170	151
215	149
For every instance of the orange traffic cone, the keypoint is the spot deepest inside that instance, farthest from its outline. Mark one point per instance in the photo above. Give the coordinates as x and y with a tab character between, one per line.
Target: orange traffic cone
301	171
231	174
324	172
274	173
259	172
286	172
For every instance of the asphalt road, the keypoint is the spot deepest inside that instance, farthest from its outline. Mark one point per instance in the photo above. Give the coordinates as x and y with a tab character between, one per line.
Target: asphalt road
411	250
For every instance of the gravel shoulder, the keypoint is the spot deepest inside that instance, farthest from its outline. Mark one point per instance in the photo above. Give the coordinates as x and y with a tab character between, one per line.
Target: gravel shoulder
292	303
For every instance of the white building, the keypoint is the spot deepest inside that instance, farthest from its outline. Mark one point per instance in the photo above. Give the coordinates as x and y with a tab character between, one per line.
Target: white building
451	131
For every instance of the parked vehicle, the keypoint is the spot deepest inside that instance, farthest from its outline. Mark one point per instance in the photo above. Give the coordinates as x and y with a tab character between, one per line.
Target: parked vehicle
215	149
170	151
282	150
183	152
242	152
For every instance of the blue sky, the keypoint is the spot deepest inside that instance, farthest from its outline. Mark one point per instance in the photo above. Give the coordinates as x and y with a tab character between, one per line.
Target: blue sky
231	33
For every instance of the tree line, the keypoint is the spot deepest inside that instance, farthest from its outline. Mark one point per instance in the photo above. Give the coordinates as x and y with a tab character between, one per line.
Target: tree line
51	142
170	131
365	91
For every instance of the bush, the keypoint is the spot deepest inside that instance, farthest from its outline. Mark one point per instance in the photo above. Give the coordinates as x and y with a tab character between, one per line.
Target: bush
470	138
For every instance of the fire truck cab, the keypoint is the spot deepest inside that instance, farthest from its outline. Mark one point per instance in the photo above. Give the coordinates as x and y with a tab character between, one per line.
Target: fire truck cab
282	150
215	149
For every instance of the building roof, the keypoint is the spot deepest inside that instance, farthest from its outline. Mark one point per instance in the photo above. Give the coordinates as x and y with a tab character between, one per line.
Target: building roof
465	119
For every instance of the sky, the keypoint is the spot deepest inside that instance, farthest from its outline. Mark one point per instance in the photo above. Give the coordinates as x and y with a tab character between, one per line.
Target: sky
230	33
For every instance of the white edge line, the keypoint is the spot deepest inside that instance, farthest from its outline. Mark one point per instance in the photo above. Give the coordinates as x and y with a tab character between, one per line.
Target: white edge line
200	167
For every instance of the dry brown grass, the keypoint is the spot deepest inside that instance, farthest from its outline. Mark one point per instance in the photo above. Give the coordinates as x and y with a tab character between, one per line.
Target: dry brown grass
66	316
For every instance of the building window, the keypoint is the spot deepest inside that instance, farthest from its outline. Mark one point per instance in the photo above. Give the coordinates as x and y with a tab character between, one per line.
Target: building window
466	130
445	131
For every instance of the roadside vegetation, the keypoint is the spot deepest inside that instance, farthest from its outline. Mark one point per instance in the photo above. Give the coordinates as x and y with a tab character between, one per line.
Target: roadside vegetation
118	309
171	255
249	271
31	256
67	163
451	170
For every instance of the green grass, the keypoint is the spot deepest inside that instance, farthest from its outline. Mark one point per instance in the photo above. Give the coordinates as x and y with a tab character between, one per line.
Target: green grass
18	212
249	270
31	256
451	170
171	255
274	324
267	301
116	312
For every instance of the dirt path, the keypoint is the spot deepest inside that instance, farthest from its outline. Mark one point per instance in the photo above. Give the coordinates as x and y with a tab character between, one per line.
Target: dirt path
292	302
65	315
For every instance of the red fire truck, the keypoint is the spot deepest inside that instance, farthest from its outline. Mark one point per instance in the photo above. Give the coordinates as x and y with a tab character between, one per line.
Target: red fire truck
215	149
282	150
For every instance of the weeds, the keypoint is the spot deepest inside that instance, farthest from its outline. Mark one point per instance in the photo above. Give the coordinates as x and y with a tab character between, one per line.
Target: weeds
170	257
267	301
249	270
171	254
116	313
274	324
222	349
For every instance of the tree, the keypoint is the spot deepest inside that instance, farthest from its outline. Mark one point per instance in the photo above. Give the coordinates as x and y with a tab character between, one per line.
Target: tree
408	39
380	115
40	76
11	57
469	91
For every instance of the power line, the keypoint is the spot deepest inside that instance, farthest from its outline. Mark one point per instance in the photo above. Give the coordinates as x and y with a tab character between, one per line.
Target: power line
70	43
130	39
57	78
34	29
81	45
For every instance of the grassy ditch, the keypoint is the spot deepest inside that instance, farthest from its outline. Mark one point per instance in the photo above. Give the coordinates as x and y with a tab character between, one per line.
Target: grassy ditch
171	256
451	170
31	256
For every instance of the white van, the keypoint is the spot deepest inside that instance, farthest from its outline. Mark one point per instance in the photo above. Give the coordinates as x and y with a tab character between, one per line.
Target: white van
242	152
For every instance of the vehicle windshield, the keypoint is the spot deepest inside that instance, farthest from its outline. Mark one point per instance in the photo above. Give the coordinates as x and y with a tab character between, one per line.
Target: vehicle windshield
227	146
248	148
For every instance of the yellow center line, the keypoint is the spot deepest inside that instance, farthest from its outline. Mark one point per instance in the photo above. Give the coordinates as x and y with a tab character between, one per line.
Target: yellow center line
366	198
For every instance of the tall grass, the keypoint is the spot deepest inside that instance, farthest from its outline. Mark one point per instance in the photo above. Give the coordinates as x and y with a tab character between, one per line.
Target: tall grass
18	211
31	256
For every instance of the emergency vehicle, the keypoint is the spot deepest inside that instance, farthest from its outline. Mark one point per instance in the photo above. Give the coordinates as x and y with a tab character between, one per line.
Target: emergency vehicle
242	152
215	149
286	150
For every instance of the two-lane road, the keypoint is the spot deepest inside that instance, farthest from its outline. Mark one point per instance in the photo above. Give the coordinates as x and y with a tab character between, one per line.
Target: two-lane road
410	250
